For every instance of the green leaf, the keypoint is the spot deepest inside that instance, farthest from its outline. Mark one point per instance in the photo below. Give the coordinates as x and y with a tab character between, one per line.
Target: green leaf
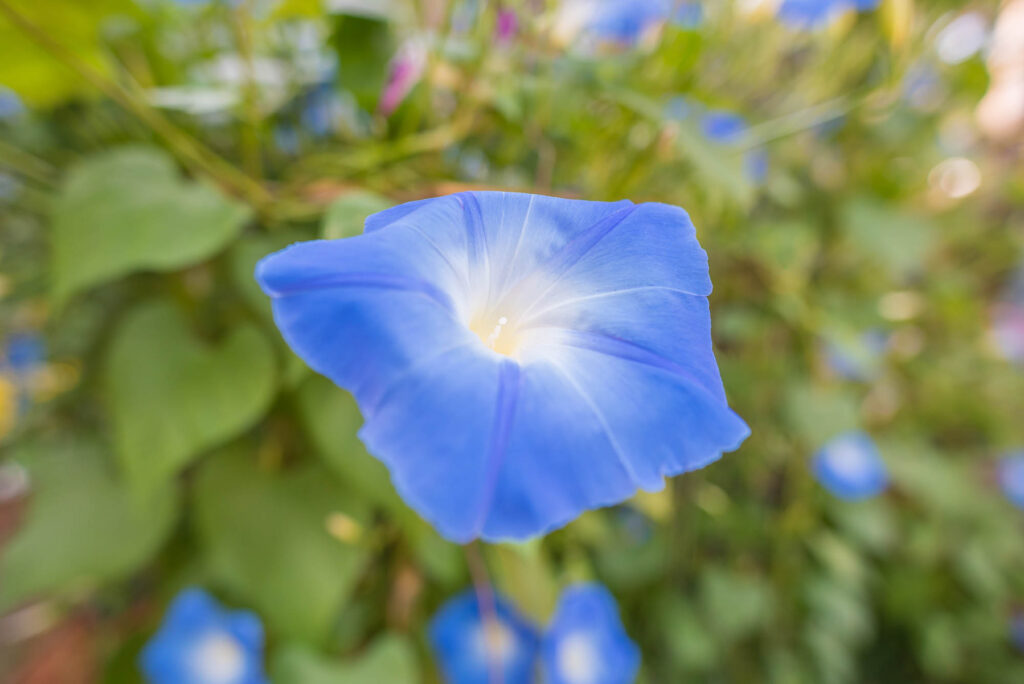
127	210
818	414
332	420
82	527
364	48
734	604
31	70
265	538
171	396
346	215
896	238
391	660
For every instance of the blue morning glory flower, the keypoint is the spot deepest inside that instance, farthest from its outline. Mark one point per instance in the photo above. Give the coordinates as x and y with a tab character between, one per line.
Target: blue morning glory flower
850	467
200	642
586	642
815	13
518	359
480	647
1011	478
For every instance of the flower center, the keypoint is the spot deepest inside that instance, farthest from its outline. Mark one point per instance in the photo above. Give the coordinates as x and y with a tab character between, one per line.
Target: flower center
849	462
577	659
495	642
217	659
496	333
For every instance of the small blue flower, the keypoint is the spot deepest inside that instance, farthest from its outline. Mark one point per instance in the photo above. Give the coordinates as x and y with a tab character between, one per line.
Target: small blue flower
10	104
850	467
201	643
592	23
1011	478
586	642
815	13
23	353
517	359
480	647
724	128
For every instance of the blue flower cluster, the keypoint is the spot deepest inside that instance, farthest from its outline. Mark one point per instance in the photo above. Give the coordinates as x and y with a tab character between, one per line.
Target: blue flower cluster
479	640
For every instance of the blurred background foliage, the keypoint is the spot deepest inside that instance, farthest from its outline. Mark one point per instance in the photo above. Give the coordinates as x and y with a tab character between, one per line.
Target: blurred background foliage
157	433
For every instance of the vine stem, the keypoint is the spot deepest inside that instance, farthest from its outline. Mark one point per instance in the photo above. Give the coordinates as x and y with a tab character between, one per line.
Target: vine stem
191	151
485	599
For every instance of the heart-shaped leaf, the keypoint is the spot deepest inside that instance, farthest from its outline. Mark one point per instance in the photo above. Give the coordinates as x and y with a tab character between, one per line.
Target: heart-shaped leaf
266	539
390	659
82	526
171	396
128	210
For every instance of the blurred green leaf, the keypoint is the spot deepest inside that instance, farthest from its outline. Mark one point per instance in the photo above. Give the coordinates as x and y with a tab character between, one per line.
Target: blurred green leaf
345	216
839	608
900	240
364	48
266	539
390	659
82	527
171	396
128	210
242	260
734	604
332	419
691	645
819	413
32	71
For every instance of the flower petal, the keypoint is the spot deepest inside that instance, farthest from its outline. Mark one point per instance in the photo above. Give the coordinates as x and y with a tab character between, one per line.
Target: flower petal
667	322
660	417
